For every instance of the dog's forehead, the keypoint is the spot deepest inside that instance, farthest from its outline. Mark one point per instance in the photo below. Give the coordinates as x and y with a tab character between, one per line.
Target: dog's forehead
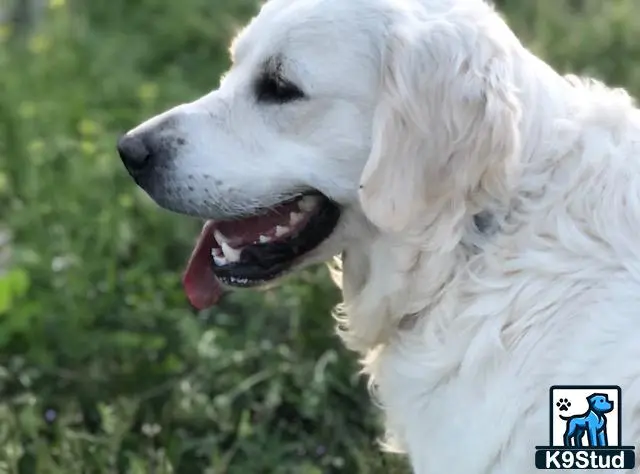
308	29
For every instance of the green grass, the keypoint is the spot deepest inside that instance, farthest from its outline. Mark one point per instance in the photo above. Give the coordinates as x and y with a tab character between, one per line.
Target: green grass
104	368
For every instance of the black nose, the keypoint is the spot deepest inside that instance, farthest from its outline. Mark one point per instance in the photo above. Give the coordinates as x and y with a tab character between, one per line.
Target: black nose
134	153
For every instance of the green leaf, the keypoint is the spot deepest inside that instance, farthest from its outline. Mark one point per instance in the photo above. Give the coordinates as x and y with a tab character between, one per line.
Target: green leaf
14	284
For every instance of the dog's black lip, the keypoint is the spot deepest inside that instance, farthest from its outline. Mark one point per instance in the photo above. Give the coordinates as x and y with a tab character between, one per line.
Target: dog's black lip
261	263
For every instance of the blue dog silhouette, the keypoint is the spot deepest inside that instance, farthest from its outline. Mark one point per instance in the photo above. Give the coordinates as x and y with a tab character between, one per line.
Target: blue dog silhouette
593	422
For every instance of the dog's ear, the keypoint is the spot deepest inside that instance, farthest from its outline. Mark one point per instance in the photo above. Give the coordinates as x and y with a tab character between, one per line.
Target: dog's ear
446	128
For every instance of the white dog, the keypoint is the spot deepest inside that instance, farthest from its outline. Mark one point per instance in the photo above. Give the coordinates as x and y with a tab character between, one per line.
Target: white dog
486	211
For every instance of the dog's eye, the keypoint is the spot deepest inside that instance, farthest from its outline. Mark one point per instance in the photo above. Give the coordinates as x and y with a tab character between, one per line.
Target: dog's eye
276	90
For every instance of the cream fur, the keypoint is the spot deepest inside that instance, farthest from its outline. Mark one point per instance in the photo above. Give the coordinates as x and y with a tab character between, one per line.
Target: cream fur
421	114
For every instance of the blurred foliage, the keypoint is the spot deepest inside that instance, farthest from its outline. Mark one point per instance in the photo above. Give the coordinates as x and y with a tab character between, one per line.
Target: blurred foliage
104	368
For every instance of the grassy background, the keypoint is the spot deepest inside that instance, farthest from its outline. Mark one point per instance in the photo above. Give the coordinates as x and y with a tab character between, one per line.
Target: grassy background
103	366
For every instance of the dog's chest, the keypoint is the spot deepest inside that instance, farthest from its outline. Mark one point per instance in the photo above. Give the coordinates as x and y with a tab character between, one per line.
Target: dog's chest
460	420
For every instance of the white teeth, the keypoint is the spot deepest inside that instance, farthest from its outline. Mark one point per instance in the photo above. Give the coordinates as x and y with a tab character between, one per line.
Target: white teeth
220	261
218	258
231	254
280	230
264	239
308	203
220	237
216	252
294	218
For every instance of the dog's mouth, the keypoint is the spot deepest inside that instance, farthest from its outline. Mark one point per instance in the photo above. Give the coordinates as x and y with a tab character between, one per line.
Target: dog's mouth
251	251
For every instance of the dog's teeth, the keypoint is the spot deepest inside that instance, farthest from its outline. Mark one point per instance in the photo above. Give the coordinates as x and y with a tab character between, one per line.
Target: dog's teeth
308	203
264	239
216	252
220	237
220	261
218	258
281	230
294	218
231	254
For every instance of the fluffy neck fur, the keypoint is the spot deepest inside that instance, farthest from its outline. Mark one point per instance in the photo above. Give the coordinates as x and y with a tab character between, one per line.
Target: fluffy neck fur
391	280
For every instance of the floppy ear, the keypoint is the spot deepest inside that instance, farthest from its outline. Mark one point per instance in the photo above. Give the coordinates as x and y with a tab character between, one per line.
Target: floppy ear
446	136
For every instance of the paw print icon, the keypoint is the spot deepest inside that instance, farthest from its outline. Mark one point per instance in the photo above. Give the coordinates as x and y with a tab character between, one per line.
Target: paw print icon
563	404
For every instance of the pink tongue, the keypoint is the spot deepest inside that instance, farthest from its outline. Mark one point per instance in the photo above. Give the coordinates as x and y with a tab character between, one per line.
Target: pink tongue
200	283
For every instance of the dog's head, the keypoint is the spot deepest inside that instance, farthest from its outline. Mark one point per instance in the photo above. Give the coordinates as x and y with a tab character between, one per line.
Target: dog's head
600	403
396	116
